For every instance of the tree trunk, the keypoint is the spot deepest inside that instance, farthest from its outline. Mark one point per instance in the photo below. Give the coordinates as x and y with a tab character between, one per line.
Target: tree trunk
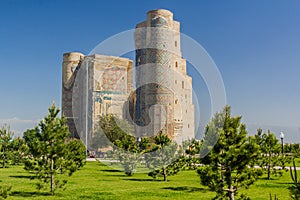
4	158
165	177
231	194
52	177
269	165
269	172
3	162
231	190
164	173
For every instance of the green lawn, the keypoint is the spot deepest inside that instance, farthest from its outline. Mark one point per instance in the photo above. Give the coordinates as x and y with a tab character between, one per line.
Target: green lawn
297	162
98	181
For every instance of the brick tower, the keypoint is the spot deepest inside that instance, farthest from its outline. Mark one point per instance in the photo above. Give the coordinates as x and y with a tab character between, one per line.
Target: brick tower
164	90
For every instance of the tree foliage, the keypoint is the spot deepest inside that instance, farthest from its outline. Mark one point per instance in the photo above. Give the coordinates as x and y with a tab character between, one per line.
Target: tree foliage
74	156
270	156
292	149
295	189
228	167
119	133
4	191
19	151
50	154
157	152
128	154
162	157
192	153
5	146
115	129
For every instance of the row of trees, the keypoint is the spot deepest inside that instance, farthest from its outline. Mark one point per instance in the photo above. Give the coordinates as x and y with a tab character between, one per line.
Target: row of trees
155	152
47	151
228	166
293	149
235	160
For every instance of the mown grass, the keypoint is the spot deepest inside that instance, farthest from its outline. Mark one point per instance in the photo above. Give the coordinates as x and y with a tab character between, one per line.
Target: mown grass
98	181
290	163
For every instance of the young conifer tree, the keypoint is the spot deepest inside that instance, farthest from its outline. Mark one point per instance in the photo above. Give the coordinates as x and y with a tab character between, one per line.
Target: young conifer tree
50	153
229	165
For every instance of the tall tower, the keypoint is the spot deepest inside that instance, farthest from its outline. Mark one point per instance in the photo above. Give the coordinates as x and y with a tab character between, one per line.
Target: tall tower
164	90
69	70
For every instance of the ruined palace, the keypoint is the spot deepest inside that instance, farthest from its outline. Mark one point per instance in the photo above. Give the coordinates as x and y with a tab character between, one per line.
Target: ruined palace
155	94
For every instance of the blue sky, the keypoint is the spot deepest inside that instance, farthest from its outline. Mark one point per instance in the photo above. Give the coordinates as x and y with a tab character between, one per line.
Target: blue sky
255	44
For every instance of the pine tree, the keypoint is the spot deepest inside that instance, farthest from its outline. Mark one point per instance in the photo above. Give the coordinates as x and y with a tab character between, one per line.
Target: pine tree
270	153
192	151
119	132
5	146
128	154
114	128
162	158
19	151
75	156
50	151
228	166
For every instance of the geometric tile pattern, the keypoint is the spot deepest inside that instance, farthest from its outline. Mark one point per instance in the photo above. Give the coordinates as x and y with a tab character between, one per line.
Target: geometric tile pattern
113	79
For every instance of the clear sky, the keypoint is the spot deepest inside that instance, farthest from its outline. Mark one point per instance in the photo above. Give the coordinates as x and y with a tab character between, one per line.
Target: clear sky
254	43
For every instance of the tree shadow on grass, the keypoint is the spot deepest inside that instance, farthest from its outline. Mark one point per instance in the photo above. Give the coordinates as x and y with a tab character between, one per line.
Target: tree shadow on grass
284	183
119	175
111	170
141	179
104	195
29	194
23	176
274	178
186	189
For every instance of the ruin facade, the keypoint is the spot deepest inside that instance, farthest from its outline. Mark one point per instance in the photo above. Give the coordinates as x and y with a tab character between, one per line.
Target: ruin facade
160	100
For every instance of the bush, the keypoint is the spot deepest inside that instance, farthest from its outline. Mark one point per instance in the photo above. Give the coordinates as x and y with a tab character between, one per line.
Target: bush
4	191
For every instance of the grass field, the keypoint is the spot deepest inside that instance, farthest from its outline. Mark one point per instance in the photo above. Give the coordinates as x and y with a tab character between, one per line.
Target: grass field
98	181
